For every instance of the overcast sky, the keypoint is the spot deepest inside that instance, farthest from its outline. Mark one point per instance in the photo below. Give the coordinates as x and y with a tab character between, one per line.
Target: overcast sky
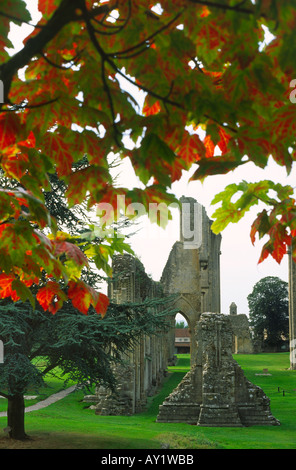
239	259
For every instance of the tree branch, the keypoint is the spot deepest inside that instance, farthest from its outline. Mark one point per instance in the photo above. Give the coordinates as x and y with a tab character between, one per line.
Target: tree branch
64	14
148	38
17	107
116	29
117	133
61	67
142	87
103	55
222	6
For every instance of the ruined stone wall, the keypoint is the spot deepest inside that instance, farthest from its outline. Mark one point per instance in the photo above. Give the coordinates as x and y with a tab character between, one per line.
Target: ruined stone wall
192	274
215	391
192	270
145	367
241	337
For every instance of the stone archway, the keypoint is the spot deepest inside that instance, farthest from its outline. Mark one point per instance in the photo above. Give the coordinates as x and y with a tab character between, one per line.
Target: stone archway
184	307
192	274
182	335
192	271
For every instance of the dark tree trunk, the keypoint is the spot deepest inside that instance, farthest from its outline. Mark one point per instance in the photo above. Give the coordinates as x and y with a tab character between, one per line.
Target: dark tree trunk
16	416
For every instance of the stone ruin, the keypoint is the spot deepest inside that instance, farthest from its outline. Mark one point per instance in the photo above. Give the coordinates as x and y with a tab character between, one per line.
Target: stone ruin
145	367
241	336
214	392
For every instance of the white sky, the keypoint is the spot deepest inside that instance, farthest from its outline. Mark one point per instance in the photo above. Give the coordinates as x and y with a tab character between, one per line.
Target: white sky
239	259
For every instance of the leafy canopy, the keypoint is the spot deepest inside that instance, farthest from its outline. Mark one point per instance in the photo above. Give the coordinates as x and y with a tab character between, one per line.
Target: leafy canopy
269	310
202	65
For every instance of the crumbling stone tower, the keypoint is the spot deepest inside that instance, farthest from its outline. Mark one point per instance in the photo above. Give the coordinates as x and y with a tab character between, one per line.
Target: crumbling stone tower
192	271
241	339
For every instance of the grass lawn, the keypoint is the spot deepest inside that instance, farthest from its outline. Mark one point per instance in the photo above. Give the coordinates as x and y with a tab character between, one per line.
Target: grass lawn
53	385
70	424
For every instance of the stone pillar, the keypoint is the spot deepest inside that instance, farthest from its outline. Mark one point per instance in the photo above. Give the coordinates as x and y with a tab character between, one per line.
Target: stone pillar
218	407
233	309
292	313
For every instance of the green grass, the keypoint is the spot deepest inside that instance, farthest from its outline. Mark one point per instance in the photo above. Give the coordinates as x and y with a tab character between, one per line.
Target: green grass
53	385
69	423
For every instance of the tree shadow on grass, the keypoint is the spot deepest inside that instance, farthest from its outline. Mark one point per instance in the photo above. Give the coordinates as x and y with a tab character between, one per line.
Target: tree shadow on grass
77	441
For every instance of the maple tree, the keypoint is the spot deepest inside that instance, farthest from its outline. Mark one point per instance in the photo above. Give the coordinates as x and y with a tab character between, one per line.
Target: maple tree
201	64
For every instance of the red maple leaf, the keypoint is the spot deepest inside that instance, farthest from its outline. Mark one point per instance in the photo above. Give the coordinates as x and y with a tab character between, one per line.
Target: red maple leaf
9	129
47	7
59	151
71	251
5	287
80	296
83	296
223	142
102	304
100	301
51	297
210	146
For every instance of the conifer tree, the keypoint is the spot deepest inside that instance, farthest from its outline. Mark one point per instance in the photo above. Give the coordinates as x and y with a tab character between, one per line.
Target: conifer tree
82	348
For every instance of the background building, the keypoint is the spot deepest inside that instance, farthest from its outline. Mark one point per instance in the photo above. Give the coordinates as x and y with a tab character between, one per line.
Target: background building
182	341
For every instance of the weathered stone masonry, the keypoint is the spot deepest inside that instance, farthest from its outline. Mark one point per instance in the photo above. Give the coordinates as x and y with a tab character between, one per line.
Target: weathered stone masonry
214	392
192	271
241	338
145	366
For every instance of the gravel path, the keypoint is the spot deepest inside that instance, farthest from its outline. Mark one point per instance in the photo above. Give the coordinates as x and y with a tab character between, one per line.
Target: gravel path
48	401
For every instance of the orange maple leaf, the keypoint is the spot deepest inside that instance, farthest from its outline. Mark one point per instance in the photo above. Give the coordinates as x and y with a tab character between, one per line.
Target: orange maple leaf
150	110
5	287
51	297
80	296
83	296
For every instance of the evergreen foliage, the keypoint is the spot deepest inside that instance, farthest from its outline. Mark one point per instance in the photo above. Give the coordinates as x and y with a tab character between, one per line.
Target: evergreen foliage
269	310
83	348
